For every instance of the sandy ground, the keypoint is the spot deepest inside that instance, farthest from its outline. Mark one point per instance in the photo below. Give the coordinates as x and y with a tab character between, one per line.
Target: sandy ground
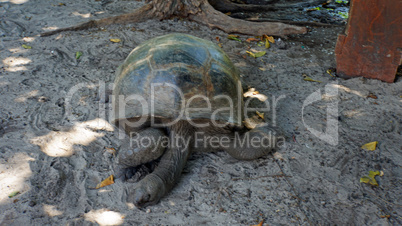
55	147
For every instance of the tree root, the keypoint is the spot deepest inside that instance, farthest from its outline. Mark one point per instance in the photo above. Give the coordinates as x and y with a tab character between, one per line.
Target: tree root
197	10
215	19
228	6
138	15
300	23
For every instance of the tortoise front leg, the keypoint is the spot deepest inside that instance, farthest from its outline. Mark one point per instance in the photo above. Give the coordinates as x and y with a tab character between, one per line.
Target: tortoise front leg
141	147
154	186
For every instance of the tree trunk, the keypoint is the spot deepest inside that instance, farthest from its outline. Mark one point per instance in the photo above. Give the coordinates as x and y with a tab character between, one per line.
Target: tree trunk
196	10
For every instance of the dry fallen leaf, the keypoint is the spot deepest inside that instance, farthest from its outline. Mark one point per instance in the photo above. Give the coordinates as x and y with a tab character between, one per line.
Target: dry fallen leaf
370	146
267	45
370	179
307	78
252	40
115	40
261	115
105	182
371	95
217	39
329	71
269	38
260	224
256	54
110	150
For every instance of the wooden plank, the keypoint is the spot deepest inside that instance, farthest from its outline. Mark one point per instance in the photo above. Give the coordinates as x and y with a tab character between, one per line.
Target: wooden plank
372	44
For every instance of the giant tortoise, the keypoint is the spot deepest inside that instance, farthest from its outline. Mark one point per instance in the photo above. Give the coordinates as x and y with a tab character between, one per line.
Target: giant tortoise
174	94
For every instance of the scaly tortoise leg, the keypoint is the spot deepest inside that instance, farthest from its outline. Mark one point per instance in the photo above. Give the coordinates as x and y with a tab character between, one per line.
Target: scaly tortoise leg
140	148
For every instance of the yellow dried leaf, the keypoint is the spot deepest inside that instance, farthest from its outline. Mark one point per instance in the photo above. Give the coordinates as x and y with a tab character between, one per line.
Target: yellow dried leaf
251	53
256	54
271	39
111	150
228	13
115	40
267	45
220	45
307	78
261	115
105	182
262	69
370	146
370	179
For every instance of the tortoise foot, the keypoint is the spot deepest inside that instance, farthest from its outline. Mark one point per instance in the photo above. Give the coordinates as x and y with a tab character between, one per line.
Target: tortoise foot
148	191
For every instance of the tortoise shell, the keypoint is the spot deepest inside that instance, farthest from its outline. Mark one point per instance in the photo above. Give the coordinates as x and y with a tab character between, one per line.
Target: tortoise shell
178	76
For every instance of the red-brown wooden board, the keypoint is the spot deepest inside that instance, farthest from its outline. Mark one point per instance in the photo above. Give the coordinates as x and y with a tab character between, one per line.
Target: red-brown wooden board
372	44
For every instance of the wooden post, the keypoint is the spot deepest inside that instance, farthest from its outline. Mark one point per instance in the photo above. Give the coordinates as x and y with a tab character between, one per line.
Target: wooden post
372	44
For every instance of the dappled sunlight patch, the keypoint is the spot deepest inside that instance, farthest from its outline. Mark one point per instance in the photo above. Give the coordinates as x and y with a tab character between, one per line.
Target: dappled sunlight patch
28	39
50	28
104	217
24	97
83	15
348	90
52	211
13	174
61	144
15	1
18	50
4	83
14	64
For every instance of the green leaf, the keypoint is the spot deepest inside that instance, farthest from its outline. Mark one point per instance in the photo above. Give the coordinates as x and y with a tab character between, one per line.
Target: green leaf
26	46
344	15
234	37
370	179
12	194
260	53
78	54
